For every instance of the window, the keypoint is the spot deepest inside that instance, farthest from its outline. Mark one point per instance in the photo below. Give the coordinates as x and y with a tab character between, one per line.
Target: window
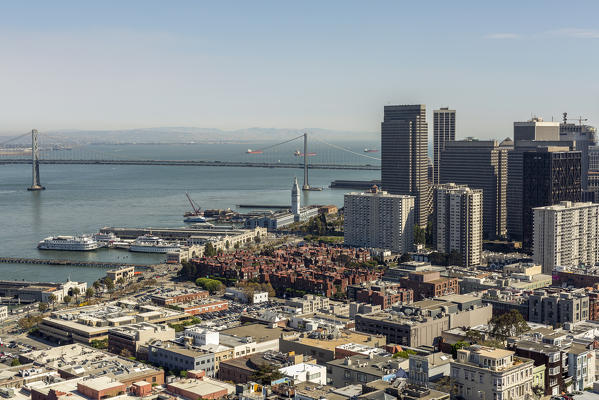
347	374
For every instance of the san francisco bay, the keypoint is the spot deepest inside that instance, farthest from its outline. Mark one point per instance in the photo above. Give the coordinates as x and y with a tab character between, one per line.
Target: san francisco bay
84	198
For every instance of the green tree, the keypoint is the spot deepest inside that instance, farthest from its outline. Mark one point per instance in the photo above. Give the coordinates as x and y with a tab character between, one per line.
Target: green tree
96	285
209	250
456	346
419	235
227	245
52	299
120	281
42	307
211	285
257	239
89	293
75	292
508	324
405	257
15	362
67	299
265	374
109	284
236	246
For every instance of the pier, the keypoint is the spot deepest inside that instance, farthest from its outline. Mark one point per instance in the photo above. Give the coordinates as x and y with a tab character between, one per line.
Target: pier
71	263
264	206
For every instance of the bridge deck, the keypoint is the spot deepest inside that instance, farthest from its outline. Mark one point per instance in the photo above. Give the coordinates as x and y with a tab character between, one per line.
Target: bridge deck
193	163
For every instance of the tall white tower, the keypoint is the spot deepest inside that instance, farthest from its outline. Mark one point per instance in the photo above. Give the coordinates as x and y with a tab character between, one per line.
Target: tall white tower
295	197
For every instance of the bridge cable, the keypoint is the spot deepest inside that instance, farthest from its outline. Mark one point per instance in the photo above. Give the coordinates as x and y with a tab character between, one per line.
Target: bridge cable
345	149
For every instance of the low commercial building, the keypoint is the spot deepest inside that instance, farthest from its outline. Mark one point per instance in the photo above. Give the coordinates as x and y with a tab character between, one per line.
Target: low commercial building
181	357
86	324
242	369
304	372
3	313
101	388
360	369
247	296
205	388
308	304
322	345
29	292
429	284
130	338
488	373
422	323
167	297
203	306
124	273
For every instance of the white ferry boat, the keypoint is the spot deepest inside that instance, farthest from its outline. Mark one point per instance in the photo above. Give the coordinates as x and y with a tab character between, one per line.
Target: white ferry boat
152	244
69	243
107	238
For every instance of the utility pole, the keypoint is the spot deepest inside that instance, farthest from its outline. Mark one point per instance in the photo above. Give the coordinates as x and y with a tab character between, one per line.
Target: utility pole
35	163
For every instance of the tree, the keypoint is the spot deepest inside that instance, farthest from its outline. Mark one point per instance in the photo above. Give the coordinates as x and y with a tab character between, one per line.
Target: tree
120	281
236	246
89	293
52	299
42	307
508	324
109	284
67	299
405	257
419	235
211	285
227	245
257	239
209	250
96	285
15	362
126	353
75	292
265	374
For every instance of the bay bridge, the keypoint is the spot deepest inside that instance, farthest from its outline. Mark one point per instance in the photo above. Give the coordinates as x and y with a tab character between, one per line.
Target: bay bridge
47	149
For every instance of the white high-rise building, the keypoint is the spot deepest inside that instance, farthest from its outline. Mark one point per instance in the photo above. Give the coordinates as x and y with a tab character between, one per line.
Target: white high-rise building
458	221
379	220
295	198
566	235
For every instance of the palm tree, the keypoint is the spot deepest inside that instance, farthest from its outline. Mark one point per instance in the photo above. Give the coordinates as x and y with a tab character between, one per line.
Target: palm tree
89	293
75	292
52	299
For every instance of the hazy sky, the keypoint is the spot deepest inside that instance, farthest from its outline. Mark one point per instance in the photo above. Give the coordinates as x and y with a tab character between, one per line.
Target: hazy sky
326	64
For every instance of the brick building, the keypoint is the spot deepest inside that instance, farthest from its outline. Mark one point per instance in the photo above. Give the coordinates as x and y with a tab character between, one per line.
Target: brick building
429	284
380	293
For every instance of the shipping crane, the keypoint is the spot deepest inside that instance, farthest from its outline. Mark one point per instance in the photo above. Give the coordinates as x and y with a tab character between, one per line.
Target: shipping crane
196	209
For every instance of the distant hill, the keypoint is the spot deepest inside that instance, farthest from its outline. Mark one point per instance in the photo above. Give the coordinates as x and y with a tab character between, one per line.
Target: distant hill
191	134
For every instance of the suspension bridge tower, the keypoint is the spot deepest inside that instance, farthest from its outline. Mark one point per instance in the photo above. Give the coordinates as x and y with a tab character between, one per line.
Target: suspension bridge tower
35	163
306	184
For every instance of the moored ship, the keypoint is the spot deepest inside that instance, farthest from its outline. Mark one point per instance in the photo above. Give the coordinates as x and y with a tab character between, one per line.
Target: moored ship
69	243
152	244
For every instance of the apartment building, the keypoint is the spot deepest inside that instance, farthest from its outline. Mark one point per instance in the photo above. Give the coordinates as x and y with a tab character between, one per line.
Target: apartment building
379	220
443	133
131	337
552	357
481	373
566	235
555	308
458	221
428	284
581	366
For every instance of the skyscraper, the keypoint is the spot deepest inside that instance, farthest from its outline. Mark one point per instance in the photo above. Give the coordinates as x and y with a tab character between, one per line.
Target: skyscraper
480	165
584	137
404	138
443	132
549	177
379	220
458	221
566	234
528	136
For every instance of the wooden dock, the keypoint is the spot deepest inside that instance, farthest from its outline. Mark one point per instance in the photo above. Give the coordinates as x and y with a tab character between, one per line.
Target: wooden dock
71	263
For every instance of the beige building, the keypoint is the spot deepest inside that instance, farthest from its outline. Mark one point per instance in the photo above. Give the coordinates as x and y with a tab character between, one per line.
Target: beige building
379	220
486	373
458	221
3	313
132	337
308	304
125	273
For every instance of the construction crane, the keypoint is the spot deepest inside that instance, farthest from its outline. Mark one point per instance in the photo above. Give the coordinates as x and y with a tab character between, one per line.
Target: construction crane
579	119
196	209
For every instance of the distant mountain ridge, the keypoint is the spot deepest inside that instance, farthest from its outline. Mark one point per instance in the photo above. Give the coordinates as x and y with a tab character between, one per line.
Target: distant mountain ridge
192	134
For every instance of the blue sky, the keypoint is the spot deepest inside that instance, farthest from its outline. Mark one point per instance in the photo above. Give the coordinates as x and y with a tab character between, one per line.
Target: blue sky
326	64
